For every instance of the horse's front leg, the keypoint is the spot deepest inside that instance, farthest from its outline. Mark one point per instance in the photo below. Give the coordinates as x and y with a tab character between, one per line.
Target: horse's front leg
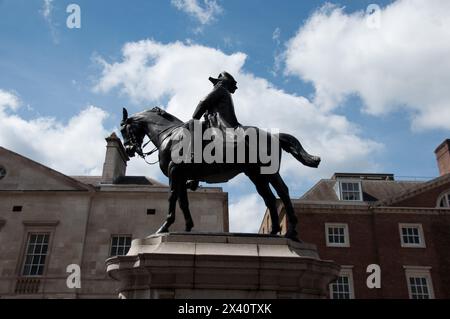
173	196
184	205
171	214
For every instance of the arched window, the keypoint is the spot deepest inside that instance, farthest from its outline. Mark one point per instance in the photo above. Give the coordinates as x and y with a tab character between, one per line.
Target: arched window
444	200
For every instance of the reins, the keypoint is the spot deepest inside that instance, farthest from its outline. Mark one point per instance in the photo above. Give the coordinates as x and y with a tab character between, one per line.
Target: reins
145	155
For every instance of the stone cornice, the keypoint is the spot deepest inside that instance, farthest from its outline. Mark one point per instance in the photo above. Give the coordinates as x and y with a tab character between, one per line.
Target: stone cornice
439	181
122	192
46	192
330	205
354	209
411	210
40	223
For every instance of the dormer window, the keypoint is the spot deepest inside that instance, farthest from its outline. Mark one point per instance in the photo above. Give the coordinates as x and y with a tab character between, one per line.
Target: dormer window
350	190
444	200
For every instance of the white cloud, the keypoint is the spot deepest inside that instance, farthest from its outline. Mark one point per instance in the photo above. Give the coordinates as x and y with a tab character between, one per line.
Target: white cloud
75	148
279	54
276	35
403	65
46	11
205	12
8	100
246	214
151	71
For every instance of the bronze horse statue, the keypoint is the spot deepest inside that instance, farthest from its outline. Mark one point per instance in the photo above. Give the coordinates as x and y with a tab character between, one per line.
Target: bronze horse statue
163	130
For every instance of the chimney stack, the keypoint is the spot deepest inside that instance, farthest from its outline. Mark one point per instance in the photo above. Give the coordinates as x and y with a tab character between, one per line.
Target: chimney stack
443	157
115	160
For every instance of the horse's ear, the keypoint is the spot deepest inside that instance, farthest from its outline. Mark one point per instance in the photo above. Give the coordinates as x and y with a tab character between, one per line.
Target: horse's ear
125	114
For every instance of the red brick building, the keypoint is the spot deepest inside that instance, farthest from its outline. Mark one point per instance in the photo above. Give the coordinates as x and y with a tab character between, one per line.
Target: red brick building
403	227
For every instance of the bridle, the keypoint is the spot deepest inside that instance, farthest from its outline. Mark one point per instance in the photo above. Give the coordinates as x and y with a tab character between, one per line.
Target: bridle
136	145
139	149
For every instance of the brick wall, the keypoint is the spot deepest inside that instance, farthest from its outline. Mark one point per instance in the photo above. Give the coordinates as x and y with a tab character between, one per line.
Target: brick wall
443	157
375	239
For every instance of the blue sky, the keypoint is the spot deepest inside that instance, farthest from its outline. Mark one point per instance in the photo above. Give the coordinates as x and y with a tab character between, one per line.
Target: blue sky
390	119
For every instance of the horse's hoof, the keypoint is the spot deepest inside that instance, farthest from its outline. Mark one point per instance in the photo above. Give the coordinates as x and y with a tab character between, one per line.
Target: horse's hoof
292	235
293	238
163	230
189	225
275	230
192	185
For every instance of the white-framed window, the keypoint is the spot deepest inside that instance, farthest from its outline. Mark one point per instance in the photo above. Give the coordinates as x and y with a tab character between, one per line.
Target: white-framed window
411	236
35	254
342	287
444	200
418	279
349	190
120	245
337	235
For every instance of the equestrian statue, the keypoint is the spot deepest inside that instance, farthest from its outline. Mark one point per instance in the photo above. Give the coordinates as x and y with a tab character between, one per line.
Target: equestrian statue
186	157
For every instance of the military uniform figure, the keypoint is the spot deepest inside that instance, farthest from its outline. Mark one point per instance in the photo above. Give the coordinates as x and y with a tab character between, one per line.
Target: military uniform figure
218	107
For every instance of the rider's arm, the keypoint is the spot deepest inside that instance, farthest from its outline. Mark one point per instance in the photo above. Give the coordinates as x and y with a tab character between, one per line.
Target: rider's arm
210	100
199	111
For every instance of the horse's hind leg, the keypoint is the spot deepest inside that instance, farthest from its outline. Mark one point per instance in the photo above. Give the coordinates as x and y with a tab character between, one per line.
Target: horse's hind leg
263	189
283	191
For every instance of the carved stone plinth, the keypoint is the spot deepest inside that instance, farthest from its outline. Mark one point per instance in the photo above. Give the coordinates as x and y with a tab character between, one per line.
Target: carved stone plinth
196	265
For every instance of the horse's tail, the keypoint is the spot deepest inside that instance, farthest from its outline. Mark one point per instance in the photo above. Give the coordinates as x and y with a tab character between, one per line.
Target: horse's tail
291	145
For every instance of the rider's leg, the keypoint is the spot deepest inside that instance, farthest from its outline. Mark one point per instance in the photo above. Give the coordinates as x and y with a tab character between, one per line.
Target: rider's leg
191	131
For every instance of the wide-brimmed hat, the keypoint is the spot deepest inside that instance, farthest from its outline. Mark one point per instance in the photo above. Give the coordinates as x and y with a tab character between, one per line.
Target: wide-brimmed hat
224	76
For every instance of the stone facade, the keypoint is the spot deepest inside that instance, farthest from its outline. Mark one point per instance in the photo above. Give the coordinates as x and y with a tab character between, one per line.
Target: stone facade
373	227
81	215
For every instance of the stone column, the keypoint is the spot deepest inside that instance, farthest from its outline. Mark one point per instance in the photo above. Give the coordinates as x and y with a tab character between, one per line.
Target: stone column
115	160
443	157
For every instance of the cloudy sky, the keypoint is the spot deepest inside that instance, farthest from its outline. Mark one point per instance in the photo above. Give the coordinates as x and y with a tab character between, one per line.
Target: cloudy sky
366	89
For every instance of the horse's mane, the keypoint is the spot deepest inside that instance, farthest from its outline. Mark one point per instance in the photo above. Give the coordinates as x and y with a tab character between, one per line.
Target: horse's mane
156	112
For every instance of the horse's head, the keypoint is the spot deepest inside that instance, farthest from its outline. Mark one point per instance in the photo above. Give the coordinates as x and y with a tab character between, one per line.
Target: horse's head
153	123
132	133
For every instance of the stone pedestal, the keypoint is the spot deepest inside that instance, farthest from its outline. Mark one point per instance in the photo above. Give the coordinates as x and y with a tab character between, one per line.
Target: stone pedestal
196	265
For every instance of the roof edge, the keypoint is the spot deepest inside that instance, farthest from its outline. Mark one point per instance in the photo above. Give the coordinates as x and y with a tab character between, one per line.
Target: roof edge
57	174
